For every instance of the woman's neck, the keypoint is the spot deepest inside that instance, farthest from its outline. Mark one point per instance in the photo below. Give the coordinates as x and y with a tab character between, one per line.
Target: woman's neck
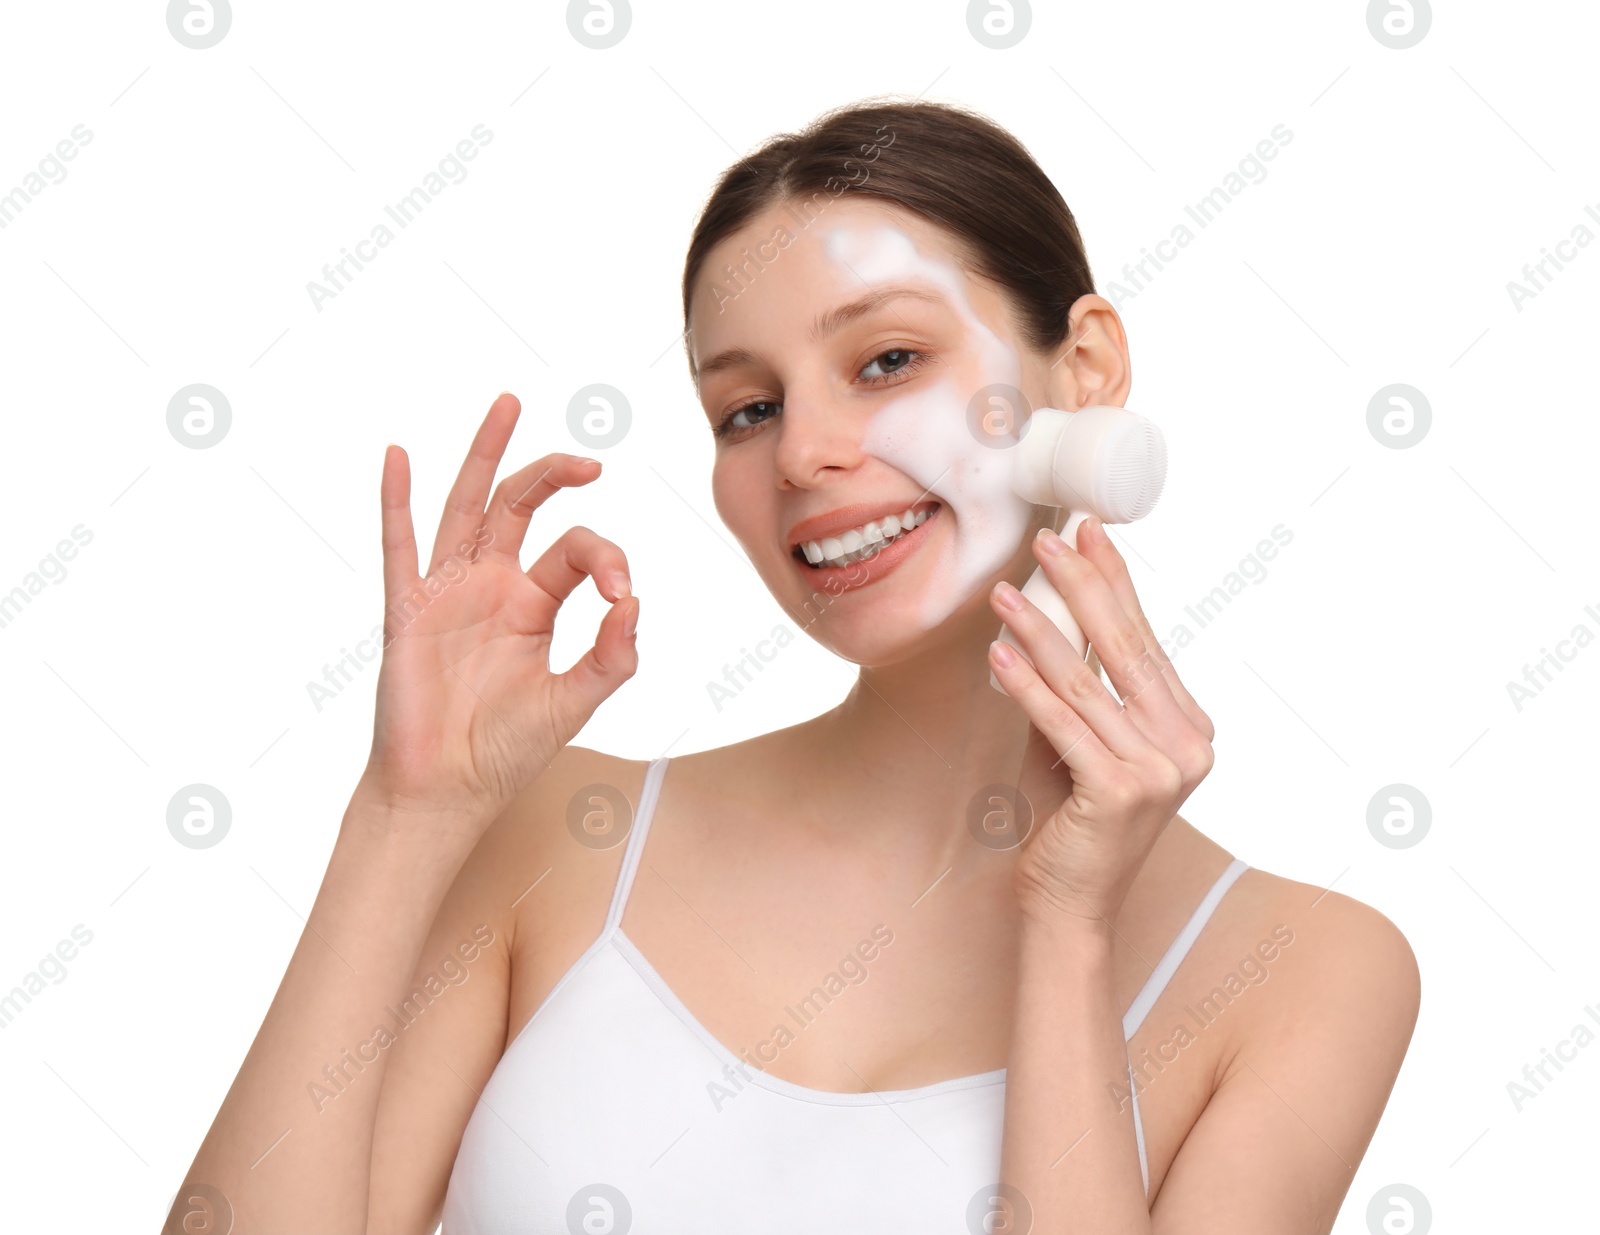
914	743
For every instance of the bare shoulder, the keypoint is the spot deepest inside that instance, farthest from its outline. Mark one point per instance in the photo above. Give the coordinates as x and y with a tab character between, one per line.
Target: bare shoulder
530	839
565	835
1343	998
1301	1080
1348	954
1312	952
568	827
579	780
573	819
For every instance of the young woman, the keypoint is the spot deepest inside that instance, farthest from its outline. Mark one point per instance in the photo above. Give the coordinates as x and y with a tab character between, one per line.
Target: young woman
944	958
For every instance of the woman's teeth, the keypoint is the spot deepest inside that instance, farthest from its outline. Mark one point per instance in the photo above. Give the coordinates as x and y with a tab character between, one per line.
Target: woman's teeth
863	541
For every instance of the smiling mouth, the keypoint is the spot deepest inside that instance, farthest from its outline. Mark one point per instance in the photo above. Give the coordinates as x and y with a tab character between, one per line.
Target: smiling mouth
865	541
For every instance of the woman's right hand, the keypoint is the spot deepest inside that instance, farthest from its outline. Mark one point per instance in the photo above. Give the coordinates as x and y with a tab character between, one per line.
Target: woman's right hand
468	710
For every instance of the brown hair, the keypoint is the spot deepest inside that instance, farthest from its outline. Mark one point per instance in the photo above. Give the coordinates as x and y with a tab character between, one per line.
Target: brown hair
946	163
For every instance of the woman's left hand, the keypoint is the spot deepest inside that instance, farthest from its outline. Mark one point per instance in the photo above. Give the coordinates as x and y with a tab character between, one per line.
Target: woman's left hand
1120	770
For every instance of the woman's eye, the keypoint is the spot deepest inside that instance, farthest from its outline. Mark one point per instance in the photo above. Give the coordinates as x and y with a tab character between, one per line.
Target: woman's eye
733	421
753	415
897	358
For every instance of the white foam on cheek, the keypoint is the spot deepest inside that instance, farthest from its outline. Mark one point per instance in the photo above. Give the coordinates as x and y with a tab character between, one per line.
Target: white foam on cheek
926	433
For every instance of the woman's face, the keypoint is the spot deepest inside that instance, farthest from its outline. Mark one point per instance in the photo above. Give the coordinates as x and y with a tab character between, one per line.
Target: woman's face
849	367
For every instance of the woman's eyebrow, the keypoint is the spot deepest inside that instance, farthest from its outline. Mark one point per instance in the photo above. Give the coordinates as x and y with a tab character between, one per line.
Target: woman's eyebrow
733	358
830	321
826	324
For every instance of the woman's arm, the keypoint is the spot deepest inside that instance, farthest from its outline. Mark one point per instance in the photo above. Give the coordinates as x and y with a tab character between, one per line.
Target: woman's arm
469	714
1068	1147
280	1159
1119	767
456	1029
1273	1152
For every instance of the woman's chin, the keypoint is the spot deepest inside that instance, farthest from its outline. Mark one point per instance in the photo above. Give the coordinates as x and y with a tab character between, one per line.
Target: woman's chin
894	629
892	607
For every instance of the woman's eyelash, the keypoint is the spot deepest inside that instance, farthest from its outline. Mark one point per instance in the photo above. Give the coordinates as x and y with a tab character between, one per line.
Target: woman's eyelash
918	359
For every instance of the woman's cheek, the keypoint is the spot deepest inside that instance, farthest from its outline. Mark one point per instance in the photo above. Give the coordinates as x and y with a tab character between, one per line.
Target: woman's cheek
928	433
734	498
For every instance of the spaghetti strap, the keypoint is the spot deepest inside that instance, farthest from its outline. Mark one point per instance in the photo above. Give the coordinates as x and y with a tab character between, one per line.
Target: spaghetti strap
1138	1132
1157	982
648	794
1173	957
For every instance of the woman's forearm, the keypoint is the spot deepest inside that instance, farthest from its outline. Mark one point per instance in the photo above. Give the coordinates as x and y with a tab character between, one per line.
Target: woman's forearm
283	1152
1068	1146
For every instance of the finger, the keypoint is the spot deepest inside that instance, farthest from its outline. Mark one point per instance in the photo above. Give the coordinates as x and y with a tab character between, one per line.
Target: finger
399	538
610	662
463	508
1115	569
1135	674
576	555
1057	662
505	525
1074	740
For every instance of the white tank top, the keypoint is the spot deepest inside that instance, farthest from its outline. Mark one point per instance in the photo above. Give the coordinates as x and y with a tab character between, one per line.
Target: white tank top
615	1110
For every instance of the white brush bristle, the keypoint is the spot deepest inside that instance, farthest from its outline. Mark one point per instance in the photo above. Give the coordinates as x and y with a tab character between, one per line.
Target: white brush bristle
1134	469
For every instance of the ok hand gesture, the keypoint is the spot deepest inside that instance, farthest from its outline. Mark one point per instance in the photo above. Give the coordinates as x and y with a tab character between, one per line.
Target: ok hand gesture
468	710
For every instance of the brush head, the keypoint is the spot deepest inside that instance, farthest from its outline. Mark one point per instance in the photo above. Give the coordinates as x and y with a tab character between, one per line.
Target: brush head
1103	459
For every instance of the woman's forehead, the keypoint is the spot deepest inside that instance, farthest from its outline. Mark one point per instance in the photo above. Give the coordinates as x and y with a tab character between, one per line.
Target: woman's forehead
820	268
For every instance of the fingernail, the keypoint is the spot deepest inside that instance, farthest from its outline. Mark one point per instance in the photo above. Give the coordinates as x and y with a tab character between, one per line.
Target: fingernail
1050	542
632	623
1002	653
619	583
1008	596
1097	530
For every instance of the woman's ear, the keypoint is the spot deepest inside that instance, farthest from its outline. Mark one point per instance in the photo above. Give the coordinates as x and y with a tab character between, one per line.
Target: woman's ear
1091	368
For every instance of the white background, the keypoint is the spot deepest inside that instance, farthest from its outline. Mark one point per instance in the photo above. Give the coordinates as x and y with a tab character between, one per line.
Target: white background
218	582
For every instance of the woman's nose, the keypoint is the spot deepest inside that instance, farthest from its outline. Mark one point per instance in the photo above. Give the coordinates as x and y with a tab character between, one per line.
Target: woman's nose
817	435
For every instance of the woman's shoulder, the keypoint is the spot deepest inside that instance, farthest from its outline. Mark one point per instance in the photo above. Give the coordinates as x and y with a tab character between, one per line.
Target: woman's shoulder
582	793
1317	954
584	803
578	773
1347	940
1341	971
1315	996
1332	923
1293	1008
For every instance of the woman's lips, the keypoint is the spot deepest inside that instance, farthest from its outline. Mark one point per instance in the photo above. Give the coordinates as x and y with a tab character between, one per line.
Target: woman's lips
836	579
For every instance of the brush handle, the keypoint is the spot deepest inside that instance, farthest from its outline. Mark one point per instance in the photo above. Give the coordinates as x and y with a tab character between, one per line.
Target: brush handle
1042	593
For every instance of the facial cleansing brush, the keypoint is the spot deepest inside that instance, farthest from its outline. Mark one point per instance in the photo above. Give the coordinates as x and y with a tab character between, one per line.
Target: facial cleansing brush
1105	461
